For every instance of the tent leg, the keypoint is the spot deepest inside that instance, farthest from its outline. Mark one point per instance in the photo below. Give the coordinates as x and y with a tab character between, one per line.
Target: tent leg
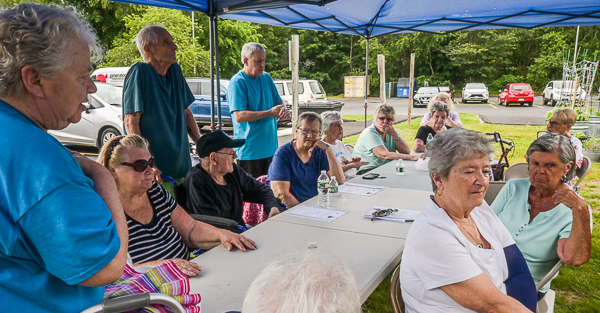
212	72
366	80
218	71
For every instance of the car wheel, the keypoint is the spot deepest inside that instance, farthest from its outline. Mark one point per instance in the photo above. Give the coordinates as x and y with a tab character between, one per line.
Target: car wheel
544	101
530	104
463	101
484	101
106	135
552	101
505	102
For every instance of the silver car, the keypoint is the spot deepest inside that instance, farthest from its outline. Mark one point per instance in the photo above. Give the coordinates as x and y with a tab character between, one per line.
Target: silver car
101	121
475	92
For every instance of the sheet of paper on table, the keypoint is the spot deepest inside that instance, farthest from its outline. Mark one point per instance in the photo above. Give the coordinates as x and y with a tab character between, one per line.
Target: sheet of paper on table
316	213
361	190
401	216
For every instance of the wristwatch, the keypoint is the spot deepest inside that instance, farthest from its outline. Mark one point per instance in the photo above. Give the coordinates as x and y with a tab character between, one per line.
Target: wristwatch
326	146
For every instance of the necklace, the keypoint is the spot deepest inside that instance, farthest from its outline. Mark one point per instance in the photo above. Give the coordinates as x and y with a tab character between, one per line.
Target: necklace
477	240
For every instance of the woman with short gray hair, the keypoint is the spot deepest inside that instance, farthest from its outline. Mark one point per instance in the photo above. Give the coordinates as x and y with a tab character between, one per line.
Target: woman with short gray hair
457	245
332	132
560	123
381	143
439	112
546	218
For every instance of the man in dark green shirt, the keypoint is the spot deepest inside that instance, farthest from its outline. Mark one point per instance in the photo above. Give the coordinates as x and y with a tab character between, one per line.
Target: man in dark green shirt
155	104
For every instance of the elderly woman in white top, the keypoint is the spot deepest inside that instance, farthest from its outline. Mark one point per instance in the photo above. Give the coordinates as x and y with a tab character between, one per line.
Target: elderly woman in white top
458	256
453	119
332	132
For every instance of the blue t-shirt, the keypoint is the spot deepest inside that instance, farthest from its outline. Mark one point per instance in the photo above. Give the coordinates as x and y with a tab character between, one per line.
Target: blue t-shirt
55	231
162	100
254	94
303	177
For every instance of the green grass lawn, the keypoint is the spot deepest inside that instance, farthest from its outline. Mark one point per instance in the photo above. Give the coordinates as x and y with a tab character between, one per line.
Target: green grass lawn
576	288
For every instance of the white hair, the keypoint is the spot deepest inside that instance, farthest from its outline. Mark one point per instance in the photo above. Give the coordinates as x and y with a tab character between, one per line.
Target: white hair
249	48
40	36
329	117
147	36
304	282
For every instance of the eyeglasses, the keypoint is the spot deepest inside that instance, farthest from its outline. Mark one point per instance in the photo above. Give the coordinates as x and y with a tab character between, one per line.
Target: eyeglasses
232	154
553	123
140	165
308	132
383	118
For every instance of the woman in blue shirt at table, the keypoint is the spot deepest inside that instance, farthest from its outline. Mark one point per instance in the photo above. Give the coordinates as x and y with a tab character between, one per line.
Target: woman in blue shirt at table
296	166
458	256
546	218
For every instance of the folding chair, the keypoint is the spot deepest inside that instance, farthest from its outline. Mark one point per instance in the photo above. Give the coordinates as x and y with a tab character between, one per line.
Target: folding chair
137	301
582	171
546	305
349	147
493	189
517	170
396	292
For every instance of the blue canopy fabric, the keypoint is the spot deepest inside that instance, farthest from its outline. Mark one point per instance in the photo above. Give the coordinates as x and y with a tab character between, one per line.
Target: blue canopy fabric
371	18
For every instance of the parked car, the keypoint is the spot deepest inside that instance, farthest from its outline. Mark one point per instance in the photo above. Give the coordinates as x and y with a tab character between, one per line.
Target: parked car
308	90
554	91
447	89
423	95
100	122
110	75
475	92
516	93
201	106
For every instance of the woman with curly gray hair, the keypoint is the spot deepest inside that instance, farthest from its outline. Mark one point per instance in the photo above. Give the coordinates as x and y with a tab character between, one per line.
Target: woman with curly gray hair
457	246
332	132
546	218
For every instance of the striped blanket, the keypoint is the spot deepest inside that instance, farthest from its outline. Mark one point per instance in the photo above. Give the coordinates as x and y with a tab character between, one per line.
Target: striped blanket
165	278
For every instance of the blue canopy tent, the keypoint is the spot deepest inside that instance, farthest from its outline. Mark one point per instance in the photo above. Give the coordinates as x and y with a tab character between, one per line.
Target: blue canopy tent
372	18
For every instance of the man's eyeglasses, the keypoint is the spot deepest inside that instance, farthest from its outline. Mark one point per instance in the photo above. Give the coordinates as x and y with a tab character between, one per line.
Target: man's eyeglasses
553	123
308	132
383	118
140	165
231	154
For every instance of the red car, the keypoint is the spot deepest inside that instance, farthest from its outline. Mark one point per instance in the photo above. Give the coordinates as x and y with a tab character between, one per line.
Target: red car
516	93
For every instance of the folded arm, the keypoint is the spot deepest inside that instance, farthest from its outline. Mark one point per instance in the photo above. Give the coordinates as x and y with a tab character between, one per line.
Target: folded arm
281	189
383	153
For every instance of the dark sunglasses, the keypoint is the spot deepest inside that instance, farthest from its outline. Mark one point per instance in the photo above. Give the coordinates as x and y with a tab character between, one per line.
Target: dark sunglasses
140	165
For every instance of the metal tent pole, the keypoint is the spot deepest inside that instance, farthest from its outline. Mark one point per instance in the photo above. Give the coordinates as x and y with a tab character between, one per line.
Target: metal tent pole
366	80
212	72
218	71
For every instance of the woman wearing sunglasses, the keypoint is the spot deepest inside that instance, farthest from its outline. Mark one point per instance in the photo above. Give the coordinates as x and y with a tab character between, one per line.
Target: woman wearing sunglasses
439	112
159	229
381	143
560	123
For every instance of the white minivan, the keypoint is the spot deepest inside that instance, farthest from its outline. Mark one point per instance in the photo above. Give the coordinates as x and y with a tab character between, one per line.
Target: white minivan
308	90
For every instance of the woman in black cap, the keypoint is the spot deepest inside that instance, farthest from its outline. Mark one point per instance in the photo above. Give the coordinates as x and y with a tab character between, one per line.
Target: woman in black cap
159	229
218	187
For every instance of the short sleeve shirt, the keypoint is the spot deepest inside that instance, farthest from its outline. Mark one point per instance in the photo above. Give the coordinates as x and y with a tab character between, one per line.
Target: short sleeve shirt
303	177
538	240
369	139
344	157
437	254
55	231
254	94
162	100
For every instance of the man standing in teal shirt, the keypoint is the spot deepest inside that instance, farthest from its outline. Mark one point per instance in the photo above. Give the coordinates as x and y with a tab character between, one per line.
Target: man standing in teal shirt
155	104
256	106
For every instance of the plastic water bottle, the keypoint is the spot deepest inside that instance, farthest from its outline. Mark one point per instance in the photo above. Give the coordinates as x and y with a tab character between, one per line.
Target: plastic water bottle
333	187
323	189
429	138
400	167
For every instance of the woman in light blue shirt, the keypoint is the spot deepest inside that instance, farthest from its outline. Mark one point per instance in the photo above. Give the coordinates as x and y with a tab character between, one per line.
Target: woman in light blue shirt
548	220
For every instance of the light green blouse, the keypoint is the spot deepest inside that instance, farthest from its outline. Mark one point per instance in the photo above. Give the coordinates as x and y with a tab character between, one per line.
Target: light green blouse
369	139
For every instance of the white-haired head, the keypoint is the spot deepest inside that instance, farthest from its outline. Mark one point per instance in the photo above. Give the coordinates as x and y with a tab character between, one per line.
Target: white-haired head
301	282
249	48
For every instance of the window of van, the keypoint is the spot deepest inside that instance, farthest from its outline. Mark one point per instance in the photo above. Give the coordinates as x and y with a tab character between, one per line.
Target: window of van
300	88
279	87
316	88
195	87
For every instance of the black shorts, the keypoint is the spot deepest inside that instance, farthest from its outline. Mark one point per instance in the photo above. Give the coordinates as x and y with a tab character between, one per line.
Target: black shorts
256	168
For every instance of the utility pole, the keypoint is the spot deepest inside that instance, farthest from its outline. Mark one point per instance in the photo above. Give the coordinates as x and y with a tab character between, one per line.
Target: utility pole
294	51
411	86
